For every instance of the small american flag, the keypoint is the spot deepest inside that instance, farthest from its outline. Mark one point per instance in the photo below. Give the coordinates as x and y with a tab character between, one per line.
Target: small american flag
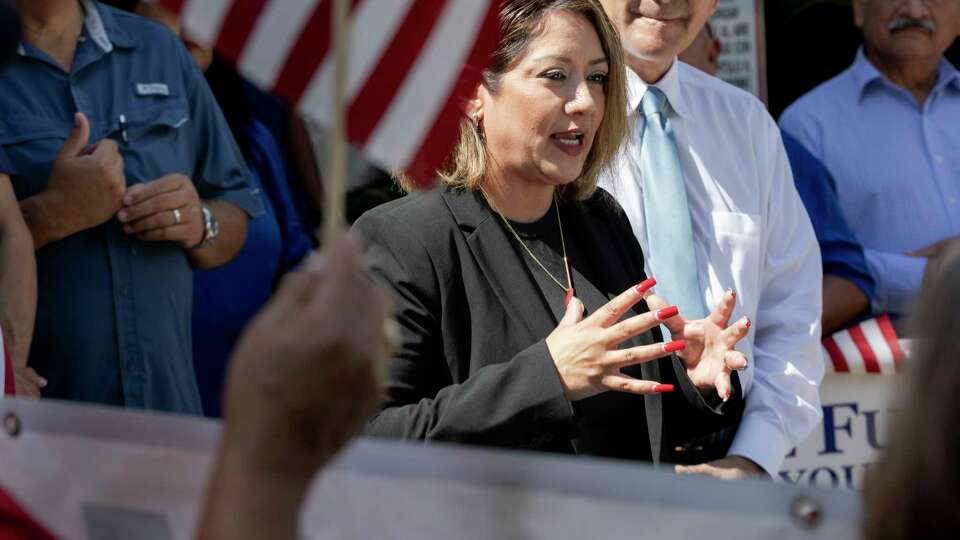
868	347
411	64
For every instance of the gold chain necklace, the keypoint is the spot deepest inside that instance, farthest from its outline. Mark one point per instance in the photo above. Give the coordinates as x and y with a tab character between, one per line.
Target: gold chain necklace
563	246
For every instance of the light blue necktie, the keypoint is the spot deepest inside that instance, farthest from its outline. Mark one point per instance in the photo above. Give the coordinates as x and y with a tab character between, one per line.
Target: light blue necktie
669	231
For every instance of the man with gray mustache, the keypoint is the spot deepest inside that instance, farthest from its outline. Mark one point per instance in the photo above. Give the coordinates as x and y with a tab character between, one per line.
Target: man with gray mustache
888	129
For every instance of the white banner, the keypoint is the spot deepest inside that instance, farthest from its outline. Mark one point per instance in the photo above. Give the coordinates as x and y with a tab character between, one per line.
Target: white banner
857	410
739	26
95	473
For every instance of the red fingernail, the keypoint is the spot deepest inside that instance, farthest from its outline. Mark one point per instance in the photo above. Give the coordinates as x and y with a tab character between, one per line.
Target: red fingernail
663	389
726	397
732	292
748	322
645	285
667	312
569	297
674	346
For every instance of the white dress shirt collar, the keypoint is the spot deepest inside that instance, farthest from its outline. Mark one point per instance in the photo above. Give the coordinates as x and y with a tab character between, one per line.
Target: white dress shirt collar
669	84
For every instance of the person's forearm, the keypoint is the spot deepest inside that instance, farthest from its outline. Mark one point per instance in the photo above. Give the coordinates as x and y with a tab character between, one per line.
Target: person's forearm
842	301
245	501
233	233
18	286
44	220
261	476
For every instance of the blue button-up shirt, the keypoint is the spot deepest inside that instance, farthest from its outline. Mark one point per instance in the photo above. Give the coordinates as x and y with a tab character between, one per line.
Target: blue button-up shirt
113	316
895	163
840	251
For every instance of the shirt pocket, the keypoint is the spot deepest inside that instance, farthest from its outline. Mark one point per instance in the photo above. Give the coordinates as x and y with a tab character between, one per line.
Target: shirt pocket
31	144
155	141
737	249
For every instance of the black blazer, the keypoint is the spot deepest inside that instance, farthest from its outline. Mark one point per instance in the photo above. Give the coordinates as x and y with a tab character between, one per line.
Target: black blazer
473	366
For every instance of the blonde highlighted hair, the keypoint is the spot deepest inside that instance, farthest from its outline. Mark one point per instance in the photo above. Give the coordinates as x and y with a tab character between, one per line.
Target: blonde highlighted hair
521	21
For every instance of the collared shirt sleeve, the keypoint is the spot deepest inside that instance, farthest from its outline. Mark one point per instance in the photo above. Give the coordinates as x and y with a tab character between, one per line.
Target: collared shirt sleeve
220	170
783	404
840	250
899	278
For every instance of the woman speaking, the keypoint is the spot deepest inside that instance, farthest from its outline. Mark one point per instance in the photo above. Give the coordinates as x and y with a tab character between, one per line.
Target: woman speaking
519	286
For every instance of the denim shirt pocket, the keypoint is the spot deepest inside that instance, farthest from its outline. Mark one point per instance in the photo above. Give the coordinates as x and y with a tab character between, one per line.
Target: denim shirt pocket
31	144
154	140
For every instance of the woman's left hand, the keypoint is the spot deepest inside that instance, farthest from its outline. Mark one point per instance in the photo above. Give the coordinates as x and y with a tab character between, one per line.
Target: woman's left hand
709	355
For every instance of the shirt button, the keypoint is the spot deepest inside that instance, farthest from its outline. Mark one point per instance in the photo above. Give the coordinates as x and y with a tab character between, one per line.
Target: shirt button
952	200
124	291
131	366
939	159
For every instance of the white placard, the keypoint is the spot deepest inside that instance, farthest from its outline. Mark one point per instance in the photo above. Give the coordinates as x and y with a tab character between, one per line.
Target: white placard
857	411
93	473
739	26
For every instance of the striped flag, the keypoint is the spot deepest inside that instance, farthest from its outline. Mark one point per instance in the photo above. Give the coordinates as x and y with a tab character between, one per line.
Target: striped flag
411	65
17	523
869	347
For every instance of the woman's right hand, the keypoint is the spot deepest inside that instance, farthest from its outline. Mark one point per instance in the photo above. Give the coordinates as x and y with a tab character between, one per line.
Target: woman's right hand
586	351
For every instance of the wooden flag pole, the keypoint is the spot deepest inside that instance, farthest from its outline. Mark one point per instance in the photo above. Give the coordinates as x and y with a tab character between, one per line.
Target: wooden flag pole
336	177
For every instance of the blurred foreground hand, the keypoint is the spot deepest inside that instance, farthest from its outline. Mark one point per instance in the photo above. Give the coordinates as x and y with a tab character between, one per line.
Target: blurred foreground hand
303	379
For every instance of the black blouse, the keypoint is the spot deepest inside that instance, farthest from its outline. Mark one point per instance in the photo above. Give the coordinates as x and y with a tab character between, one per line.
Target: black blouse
611	424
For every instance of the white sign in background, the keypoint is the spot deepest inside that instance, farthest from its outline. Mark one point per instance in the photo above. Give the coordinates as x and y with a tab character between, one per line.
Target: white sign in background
739	26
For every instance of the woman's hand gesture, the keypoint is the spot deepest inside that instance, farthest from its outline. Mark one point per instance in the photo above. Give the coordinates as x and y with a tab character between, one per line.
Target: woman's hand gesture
586	351
709	355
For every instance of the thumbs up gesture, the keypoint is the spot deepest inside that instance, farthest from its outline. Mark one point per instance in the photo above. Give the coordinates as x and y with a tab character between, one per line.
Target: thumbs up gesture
86	185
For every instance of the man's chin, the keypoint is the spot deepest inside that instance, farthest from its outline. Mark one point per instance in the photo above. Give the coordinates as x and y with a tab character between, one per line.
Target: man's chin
915	48
658	47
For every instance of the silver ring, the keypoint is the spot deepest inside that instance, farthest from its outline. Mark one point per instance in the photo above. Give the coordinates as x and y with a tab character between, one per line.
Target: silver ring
176	216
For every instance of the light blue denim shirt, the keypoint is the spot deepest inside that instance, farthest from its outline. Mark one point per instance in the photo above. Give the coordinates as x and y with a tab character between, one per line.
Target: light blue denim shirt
113	317
896	166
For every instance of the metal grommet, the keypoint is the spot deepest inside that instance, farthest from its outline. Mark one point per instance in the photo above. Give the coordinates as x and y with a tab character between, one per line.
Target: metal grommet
11	424
806	512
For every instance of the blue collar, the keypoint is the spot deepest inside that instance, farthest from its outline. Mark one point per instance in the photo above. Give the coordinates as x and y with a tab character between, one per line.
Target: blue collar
108	29
102	28
865	74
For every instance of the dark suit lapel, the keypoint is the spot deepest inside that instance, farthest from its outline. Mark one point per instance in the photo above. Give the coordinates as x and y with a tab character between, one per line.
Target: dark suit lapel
597	238
496	257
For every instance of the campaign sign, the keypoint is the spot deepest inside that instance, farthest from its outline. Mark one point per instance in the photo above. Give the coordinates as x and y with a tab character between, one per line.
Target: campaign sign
857	413
94	473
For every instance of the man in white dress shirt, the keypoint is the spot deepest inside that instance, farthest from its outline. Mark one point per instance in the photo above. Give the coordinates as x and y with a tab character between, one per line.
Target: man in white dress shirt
746	227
